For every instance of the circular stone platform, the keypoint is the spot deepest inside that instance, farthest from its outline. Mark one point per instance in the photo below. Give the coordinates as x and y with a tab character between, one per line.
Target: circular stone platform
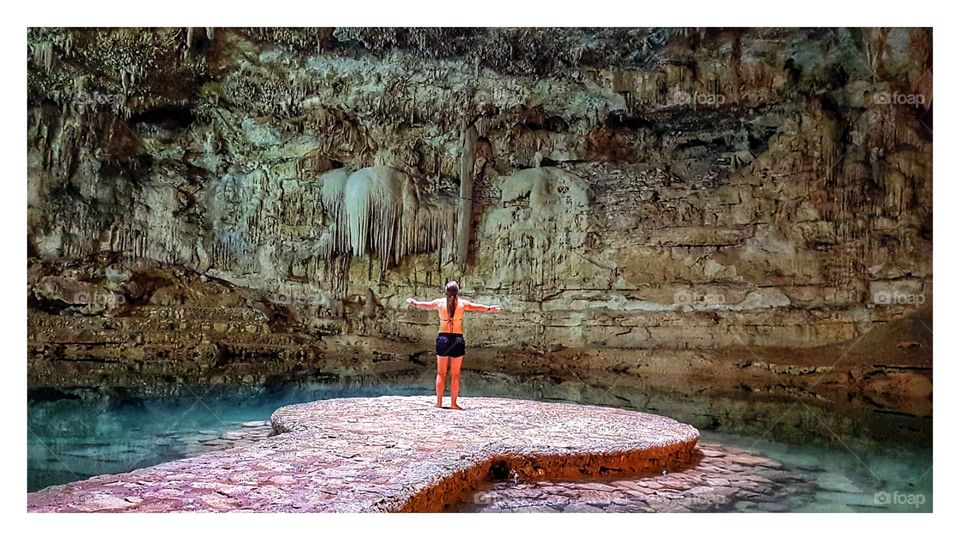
389	454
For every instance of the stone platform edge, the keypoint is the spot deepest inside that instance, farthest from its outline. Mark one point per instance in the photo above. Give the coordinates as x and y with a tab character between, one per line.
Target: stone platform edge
529	464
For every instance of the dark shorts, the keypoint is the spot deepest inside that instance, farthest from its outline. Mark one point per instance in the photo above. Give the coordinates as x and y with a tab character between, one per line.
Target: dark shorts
450	344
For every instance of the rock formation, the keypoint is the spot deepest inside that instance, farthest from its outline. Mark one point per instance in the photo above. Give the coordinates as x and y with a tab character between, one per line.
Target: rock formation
201	197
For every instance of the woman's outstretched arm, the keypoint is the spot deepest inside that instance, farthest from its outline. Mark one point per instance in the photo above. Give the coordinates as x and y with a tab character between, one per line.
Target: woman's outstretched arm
432	304
473	306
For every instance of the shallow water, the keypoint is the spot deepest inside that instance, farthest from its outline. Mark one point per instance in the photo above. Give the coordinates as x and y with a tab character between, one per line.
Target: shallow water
852	476
76	438
92	433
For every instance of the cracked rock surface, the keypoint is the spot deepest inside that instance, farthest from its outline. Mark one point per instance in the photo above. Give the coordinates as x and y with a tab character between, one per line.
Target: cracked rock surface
720	478
389	454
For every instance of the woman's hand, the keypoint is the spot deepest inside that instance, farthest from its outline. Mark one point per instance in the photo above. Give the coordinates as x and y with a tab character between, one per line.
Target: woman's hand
410	301
494	308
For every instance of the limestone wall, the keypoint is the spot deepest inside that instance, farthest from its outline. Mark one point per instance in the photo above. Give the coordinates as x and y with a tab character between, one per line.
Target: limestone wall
632	188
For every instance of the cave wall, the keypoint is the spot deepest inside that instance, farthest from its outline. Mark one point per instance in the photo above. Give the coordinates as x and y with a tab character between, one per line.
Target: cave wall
629	188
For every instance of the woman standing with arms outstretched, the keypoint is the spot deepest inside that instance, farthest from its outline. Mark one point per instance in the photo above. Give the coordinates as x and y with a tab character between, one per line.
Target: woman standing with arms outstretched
450	343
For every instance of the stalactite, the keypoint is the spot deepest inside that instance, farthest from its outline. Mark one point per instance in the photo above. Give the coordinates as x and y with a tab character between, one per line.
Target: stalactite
42	53
465	217
378	210
189	42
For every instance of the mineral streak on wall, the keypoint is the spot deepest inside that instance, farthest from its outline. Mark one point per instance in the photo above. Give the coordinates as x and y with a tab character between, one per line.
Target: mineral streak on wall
465	217
630	188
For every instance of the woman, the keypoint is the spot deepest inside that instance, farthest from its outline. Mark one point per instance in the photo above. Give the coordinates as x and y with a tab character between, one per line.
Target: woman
450	343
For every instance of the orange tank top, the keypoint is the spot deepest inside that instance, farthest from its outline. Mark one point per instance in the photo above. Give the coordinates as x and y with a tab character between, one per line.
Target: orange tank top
453	325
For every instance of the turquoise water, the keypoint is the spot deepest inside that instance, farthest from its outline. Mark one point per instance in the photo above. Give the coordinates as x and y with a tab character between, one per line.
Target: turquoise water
89	433
852	476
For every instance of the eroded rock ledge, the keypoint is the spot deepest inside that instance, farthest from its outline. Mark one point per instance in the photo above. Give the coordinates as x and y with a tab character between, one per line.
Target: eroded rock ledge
389	454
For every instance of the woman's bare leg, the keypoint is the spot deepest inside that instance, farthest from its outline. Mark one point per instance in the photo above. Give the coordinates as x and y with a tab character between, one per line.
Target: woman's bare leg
455	363
442	362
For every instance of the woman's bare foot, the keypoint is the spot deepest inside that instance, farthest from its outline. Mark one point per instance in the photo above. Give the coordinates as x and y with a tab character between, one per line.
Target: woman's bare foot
439	404
455	406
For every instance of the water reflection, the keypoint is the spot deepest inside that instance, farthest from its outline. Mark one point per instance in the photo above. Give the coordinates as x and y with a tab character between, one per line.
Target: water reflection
853	453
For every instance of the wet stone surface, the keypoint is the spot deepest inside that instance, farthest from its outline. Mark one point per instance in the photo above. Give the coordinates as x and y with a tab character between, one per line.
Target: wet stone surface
725	479
203	441
383	454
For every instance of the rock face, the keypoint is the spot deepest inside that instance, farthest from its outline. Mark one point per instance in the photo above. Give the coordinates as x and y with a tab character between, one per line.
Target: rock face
389	454
622	189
